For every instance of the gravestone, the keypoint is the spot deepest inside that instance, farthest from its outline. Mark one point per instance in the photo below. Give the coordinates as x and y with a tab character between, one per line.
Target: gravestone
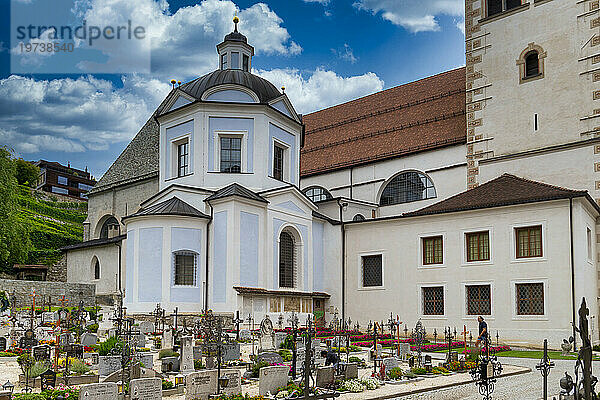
98	391
41	353
187	355
200	385
197	352
235	381
66	338
267	335
272	378
169	364
167	339
74	351
146	327
47	379
3	343
139	340
351	371
373	353
325	376
147	360
389	363
231	351
145	389
270	357
49	317
245	334
93	358
89	339
108	364
28	340
404	351
279	339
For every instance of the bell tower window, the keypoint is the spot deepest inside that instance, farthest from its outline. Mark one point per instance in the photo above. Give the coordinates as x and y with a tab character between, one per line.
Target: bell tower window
498	6
246	63
531	63
224	61
235	60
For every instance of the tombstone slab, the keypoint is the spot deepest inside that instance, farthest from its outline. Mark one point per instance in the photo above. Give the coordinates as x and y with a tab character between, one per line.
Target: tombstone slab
147	360
272	378
200	385
167	339
98	391
235	381
187	355
231	351
351	371
89	339
390	363
270	357
325	376
169	364
146	389
108	364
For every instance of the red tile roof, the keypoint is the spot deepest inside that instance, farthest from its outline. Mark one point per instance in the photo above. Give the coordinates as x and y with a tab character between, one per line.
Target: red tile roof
418	116
505	190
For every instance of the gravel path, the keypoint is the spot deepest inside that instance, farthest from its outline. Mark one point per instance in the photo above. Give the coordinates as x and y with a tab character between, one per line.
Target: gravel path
523	387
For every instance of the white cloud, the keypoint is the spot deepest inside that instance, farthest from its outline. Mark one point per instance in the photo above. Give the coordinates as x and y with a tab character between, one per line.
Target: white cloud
321	88
414	16
345	53
324	2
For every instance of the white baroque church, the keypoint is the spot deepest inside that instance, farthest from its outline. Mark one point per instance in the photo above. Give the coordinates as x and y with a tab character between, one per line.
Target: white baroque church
471	192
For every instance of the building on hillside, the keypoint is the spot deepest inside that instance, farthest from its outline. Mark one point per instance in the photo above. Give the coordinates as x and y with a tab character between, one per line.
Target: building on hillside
396	202
57	178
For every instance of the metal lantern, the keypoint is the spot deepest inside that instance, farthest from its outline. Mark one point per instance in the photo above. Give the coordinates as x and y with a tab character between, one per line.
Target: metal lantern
223	381
120	387
8	386
179	380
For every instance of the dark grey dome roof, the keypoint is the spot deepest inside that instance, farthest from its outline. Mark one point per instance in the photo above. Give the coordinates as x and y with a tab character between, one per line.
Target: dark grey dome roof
235	37
264	89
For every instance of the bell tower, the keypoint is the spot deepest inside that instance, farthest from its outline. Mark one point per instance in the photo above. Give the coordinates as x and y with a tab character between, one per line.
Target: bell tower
234	51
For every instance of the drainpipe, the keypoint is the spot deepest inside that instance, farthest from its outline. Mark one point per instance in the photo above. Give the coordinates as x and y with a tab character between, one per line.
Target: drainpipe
119	288
206	261
342	205
351	181
572	273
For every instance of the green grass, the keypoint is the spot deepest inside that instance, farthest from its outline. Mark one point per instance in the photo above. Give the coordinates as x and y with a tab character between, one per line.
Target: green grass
538	354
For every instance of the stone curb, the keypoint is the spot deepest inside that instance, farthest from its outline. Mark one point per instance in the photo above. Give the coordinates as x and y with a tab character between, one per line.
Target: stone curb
449	385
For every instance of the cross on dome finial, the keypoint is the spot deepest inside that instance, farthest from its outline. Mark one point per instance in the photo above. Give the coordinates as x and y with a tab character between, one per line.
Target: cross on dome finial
236	20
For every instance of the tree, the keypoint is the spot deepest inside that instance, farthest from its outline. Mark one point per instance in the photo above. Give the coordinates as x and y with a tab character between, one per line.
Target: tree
14	238
27	173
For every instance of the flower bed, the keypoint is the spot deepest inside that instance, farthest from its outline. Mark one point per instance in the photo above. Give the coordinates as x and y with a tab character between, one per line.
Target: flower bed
497	349
383	342
438	346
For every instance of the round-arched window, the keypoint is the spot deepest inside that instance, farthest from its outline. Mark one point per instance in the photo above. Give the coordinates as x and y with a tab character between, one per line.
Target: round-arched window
110	223
358	217
407	187
96	268
532	64
317	193
286	260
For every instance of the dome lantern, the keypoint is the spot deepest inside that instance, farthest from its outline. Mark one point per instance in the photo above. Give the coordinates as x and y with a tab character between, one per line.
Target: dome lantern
234	51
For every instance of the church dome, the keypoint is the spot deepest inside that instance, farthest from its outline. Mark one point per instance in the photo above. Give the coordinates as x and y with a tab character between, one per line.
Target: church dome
236	37
264	89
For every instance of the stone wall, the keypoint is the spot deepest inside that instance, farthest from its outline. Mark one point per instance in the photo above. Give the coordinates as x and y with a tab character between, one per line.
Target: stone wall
50	292
58	271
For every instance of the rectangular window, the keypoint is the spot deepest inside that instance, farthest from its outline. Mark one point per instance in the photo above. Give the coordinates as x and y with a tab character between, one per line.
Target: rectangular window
62	180
183	155
246	65
231	154
530	298
235	60
275	304
529	241
372	271
278	153
497	6
590	248
83	186
433	250
59	190
224	61
478	246
479	301
185	269
433	300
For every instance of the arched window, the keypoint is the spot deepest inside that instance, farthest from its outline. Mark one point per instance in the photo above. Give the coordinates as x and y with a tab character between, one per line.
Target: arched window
317	193
358	217
286	260
110	224
95	268
406	187
532	64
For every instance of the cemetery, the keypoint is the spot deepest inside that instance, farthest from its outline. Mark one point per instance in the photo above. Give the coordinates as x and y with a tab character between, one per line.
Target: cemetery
104	353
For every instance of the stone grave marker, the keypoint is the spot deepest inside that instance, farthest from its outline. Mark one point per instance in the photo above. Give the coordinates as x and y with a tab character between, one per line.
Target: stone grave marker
147	360
245	334
404	350
267	335
235	381
41	353
271	378
98	391
389	363
89	339
167	339
28	340
231	351
146	327
47	379
49	317
145	389
351	371
279	339
74	350
187	355
325	376
93	357
270	357
200	385
108	364
169	364
197	352
372	352
3	343
66	338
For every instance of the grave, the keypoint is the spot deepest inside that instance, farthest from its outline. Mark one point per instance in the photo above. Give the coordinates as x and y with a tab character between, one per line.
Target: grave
146	327
108	364
47	379
3	343
187	355
169	364
146	359
270	357
99	391
351	371
279	339
245	334
66	338
200	385
145	389
197	352
266	341
404	351
389	363
231	351
167	339
49	317
373	353
93	357
89	339
28	340
74	351
272	378
325	377
41	353
235	381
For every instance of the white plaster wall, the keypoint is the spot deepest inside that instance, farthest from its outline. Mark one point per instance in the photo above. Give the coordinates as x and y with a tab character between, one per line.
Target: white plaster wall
80	269
399	241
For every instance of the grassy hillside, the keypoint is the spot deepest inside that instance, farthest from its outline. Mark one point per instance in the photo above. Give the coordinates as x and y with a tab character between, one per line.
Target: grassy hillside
51	223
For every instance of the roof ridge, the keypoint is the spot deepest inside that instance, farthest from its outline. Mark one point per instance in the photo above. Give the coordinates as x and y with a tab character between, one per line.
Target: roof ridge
506	174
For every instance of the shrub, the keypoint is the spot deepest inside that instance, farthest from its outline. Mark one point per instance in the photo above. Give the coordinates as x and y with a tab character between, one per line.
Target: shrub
92	328
419	371
37	369
168	384
288	343
198	364
395	374
286	355
167	353
353	385
107	346
28	396
256	368
79	366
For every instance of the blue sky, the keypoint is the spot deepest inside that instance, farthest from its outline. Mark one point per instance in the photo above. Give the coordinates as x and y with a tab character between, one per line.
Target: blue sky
324	51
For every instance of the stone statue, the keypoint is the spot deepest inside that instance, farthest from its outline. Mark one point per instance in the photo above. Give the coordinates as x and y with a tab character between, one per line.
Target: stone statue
267	334
584	360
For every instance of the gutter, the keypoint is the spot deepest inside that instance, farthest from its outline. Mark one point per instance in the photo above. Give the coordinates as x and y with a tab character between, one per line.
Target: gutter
572	274
342	205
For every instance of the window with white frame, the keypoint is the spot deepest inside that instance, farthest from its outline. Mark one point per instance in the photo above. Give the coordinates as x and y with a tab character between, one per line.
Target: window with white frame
183	158
224	61
590	248
529	241
372	270
479	299
433	300
433	250
530	298
317	193
478	246
185	265
230	154
278	162
62	180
